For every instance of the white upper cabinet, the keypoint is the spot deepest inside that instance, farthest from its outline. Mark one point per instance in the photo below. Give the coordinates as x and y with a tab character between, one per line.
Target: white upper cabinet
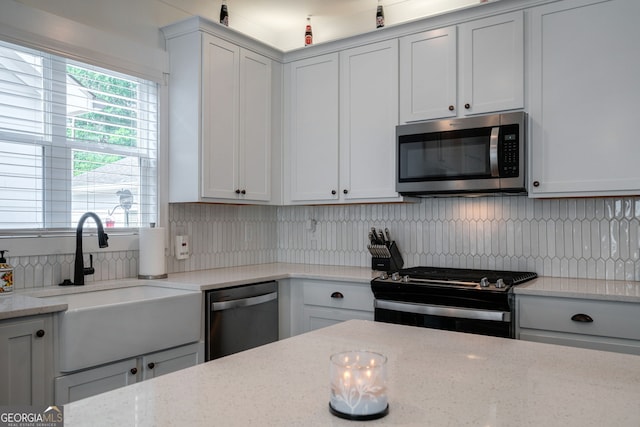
343	109
311	155
236	127
220	121
368	120
492	64
584	85
473	68
428	75
255	126
220	100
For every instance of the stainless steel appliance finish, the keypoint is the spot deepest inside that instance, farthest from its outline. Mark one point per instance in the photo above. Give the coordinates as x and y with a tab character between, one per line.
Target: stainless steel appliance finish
464	300
241	318
476	155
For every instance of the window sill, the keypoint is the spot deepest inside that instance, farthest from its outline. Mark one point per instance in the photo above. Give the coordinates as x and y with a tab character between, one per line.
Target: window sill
65	243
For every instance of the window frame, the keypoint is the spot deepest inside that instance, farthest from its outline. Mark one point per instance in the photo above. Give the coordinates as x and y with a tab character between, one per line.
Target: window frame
57	195
33	28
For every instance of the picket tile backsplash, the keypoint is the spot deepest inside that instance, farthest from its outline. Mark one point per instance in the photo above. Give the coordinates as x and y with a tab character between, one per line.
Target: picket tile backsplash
594	238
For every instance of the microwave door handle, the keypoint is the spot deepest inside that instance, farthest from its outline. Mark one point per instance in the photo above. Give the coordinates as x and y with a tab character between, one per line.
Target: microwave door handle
493	152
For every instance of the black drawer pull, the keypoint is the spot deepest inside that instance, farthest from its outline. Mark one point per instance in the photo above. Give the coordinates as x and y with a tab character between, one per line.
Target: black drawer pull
40	333
580	317
133	371
337	295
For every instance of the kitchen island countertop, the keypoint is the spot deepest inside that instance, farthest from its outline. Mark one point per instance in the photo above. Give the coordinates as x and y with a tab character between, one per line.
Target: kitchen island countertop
436	378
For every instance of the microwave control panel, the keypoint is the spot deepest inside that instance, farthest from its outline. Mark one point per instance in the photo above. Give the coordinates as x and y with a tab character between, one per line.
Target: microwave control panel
509	151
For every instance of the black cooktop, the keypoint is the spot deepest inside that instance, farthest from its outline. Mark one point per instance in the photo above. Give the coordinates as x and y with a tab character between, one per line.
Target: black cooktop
454	287
468	275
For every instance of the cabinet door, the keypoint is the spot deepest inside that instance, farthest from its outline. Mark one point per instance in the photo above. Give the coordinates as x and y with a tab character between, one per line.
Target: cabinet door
220	95
313	130
428	76
69	388
320	317
22	362
175	359
368	117
583	89
492	64
255	128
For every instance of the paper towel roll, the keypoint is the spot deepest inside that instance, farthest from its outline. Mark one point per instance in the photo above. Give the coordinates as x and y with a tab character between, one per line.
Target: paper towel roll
151	262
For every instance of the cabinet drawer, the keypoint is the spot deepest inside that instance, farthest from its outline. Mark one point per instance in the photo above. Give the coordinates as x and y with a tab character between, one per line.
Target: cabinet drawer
610	318
352	296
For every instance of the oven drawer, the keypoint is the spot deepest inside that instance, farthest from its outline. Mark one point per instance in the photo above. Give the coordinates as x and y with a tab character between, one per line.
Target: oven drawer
351	296
576	316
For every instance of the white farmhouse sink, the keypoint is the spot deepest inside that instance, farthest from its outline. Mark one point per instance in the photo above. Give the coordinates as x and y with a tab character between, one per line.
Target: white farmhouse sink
104	326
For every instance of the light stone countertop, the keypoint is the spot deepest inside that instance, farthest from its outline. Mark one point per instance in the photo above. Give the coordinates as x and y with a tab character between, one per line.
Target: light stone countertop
608	290
26	302
16	305
436	378
233	276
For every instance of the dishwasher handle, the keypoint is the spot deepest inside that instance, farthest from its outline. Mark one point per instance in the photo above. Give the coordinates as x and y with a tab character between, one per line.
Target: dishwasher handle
244	302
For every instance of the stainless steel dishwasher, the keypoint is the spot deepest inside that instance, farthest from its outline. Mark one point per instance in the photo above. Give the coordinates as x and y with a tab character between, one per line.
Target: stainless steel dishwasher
241	318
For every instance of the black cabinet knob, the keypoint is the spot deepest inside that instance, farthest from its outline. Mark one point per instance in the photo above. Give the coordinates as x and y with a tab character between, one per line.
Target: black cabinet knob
243	192
333	192
536	183
467	106
451	108
238	191
581	317
133	371
40	333
151	365
345	191
337	295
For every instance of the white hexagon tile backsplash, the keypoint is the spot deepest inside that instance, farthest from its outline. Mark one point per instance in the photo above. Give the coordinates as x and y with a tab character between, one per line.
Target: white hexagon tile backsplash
594	238
584	238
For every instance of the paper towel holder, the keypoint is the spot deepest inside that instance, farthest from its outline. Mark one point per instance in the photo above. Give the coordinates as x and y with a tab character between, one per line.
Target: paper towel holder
152	276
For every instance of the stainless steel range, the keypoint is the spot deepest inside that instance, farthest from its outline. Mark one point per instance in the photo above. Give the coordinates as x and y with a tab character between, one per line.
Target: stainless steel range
464	300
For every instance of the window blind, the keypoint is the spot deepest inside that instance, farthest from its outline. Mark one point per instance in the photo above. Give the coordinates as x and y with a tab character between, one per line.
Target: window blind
74	138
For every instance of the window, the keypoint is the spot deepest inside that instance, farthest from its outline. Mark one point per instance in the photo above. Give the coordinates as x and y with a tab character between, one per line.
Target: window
74	138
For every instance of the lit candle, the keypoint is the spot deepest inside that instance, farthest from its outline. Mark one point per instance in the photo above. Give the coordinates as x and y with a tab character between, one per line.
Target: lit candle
358	385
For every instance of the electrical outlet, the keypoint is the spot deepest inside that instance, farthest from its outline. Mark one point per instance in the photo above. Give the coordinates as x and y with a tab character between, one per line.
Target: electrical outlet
182	247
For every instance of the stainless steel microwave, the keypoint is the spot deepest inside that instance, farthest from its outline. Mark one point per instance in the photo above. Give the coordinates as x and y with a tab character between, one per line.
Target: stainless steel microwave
472	155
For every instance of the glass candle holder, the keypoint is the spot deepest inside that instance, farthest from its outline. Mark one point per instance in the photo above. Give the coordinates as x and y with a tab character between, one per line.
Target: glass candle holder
358	385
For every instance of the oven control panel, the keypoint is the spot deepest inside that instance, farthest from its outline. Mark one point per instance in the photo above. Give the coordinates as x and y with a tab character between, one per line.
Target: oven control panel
483	284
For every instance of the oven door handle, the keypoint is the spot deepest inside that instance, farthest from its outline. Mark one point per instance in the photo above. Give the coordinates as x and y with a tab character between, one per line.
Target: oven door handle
444	311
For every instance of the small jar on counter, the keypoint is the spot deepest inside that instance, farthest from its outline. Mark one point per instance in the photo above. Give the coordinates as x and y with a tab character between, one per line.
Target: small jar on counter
6	274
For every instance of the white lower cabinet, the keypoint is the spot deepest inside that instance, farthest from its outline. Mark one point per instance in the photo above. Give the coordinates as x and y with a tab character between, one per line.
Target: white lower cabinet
175	359
89	382
324	303
26	368
595	324
321	317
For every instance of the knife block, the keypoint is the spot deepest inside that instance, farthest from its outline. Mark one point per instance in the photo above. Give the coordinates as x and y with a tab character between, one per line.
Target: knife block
390	260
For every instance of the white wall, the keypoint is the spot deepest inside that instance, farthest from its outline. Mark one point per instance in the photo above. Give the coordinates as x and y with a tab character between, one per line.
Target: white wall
280	25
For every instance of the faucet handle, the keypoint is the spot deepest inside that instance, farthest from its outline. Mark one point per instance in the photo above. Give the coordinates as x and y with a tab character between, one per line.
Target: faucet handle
103	240
90	269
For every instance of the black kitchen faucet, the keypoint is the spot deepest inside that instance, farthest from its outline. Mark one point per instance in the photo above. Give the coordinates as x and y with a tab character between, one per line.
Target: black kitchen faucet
79	269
